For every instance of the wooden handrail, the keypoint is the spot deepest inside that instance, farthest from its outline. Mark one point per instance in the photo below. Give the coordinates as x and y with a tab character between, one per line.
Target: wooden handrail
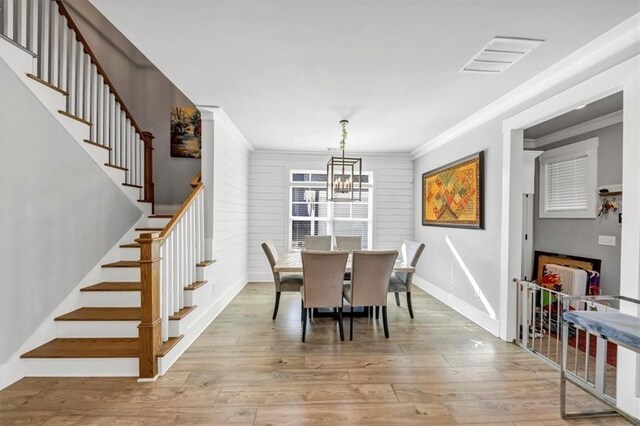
183	209
72	25
196	180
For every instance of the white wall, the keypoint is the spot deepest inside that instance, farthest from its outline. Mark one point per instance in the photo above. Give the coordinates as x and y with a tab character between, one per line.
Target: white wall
230	207
480	250
60	213
147	93
269	198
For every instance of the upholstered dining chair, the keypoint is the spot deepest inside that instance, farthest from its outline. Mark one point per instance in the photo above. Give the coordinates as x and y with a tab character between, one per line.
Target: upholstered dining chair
323	273
349	243
401	282
317	242
369	286
283	281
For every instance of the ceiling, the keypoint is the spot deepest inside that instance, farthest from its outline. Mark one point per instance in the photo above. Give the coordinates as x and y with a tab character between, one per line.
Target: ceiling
286	72
604	106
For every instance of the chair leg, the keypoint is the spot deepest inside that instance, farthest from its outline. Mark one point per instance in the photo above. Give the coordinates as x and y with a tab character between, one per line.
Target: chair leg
377	312
301	310
351	325
304	323
340	324
275	308
409	304
397	298
385	322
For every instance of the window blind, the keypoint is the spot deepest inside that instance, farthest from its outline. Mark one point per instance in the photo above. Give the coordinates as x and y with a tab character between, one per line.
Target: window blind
567	184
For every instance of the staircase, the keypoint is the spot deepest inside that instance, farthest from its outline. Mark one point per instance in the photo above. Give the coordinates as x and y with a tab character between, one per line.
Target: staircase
101	336
143	297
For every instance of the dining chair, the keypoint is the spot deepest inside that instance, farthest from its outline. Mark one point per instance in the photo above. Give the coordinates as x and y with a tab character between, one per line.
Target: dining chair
323	273
369	286
283	281
402	282
317	242
349	243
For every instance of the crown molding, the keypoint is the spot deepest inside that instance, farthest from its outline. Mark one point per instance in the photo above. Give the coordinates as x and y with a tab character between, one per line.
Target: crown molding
217	114
579	129
614	41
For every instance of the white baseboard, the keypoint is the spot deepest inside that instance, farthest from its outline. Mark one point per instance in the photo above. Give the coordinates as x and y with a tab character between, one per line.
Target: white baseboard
11	371
474	314
198	326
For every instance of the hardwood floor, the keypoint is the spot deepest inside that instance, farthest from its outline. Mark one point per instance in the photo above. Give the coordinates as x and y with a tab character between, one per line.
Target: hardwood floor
439	368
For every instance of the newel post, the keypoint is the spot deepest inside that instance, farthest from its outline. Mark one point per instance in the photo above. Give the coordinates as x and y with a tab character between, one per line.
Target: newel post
149	330
148	167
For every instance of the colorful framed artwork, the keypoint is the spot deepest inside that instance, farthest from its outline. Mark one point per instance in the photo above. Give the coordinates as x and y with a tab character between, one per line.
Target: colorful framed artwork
186	132
452	195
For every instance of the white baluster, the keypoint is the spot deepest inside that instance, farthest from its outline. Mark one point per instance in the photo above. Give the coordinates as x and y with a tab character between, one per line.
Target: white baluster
79	73
99	109
164	305
174	265
52	27
71	71
62	51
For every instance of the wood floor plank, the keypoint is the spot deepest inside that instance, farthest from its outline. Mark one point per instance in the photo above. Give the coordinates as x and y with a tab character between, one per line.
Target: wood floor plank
246	368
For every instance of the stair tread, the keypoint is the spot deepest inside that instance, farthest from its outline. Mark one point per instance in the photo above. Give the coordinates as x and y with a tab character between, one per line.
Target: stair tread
102	314
205	263
168	345
49	85
87	348
160	216
195	285
114	286
123	264
130	245
182	313
149	229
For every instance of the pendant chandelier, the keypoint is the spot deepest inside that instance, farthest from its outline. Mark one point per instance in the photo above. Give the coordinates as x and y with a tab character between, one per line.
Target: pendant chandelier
344	174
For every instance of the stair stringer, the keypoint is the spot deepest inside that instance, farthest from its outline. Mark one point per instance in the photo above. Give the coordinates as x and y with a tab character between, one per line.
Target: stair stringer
16	368
22	63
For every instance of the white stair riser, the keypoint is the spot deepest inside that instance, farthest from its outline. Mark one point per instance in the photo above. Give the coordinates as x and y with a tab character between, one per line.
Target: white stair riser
129	253
180	327
81	367
200	296
157	222
97	328
107	299
120	274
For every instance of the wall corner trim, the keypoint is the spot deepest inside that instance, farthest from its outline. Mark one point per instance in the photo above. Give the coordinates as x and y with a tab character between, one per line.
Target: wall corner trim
217	114
460	306
607	45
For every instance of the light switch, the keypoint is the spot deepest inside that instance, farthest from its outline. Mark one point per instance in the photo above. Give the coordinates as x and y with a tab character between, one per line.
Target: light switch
607	240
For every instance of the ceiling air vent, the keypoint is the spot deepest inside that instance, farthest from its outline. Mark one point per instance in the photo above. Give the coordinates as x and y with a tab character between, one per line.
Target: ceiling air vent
499	54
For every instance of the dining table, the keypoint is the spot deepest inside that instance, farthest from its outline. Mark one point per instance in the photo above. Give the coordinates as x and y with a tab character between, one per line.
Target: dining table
292	262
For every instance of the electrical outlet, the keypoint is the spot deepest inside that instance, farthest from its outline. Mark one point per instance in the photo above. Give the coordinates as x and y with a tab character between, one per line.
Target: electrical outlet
607	240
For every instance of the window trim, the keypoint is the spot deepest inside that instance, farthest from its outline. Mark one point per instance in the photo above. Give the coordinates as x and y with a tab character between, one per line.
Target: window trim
291	184
588	147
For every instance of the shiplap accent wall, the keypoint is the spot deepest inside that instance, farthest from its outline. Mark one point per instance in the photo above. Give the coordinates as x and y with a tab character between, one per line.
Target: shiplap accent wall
269	200
230	207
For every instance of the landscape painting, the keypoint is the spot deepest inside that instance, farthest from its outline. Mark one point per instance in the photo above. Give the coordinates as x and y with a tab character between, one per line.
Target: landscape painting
186	131
452	194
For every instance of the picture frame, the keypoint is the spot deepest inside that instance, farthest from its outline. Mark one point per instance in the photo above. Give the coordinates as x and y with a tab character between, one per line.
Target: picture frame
453	194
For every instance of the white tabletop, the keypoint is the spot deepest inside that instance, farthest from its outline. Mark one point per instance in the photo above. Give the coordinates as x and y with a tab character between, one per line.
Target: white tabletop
292	262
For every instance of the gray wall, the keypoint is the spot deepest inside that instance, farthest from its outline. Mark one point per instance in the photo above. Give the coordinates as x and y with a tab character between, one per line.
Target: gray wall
579	237
60	213
479	249
146	92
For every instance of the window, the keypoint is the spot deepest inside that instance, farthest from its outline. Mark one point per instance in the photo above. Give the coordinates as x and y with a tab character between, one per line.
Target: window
311	214
568	181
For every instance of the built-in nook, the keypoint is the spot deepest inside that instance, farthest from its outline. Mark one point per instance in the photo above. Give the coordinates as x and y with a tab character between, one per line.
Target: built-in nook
575	226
